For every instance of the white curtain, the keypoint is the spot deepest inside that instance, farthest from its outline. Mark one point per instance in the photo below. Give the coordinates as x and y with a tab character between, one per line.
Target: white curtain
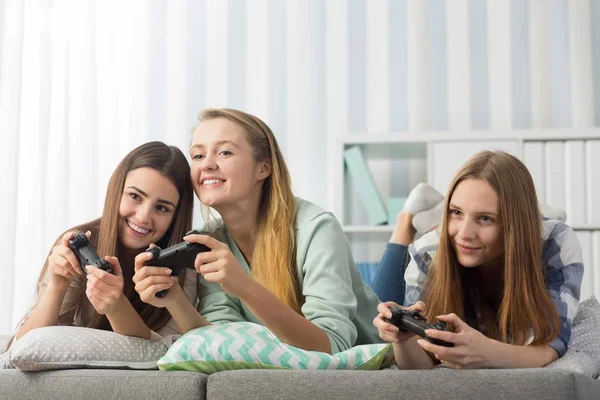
82	82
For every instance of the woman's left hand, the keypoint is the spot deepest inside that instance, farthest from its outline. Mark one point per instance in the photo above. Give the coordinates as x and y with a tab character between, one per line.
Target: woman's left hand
471	347
105	290
220	265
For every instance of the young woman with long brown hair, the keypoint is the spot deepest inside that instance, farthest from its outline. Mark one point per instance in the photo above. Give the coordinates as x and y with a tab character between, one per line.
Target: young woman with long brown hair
275	259
506	280
149	200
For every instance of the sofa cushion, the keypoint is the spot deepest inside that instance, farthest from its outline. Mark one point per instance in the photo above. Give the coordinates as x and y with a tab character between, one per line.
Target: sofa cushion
246	345
90	384
585	334
59	347
443	384
577	361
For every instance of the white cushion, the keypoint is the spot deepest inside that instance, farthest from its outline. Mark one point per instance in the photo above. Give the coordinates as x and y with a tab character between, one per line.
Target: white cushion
61	347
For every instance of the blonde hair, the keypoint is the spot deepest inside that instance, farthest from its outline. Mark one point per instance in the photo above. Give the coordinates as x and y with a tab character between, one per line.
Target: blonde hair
526	306
274	257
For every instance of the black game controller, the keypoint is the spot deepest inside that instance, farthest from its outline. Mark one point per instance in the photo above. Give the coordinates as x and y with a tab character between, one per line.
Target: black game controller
86	254
177	257
412	321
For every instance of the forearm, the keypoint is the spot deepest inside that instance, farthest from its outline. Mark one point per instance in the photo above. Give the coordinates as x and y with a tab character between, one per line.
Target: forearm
505	355
409	355
126	321
46	311
285	323
183	312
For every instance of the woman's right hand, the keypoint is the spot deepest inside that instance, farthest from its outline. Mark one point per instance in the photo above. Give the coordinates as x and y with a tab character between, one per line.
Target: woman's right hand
390	332
150	280
63	264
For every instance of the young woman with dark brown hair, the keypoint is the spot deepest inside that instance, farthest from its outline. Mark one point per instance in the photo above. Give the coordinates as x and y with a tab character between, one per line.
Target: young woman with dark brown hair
149	200
506	280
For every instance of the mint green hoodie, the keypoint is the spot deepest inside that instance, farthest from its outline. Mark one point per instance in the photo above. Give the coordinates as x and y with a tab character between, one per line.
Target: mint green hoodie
336	298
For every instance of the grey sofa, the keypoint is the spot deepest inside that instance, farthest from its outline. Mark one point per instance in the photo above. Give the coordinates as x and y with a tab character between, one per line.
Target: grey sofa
91	384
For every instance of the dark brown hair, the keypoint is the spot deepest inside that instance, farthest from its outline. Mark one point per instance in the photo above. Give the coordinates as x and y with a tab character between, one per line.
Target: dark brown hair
172	164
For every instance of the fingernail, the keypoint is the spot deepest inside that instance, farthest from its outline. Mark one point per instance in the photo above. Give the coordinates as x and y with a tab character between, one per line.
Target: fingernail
168	271
91	267
174	278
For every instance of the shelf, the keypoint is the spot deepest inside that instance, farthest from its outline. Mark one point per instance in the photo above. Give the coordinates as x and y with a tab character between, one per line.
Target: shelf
584	227
475	136
399	160
390	228
368	228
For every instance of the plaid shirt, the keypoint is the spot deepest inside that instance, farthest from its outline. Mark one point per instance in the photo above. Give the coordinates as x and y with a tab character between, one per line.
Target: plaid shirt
562	262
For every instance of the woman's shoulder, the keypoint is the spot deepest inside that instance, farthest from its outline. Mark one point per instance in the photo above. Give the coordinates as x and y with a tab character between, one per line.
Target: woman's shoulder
553	228
422	250
559	238
307	212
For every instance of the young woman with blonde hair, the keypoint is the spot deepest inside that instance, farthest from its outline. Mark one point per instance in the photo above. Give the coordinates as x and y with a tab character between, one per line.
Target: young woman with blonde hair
506	280
275	259
149	200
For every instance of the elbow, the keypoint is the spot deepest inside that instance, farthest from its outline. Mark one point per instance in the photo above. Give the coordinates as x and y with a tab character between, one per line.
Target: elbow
334	343
552	355
325	343
325	346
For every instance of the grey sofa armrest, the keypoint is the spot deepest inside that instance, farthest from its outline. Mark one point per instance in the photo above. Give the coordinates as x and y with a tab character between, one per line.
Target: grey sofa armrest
97	384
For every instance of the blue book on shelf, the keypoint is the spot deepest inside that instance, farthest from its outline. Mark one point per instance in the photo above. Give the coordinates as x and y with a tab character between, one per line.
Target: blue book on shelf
365	185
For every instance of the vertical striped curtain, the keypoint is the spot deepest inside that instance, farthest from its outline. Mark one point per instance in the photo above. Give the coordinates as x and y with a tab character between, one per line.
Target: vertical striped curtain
82	82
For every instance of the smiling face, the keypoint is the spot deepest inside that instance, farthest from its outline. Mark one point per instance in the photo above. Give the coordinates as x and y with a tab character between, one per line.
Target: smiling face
474	224
147	207
224	171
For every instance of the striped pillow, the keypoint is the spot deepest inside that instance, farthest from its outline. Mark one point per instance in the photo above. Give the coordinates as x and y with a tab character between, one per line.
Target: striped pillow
246	345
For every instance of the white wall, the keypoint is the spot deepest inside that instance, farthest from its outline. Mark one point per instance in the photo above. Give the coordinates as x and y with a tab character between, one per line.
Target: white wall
82	82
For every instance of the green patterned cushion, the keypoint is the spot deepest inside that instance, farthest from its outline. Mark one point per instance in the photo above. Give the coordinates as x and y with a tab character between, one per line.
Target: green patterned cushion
246	345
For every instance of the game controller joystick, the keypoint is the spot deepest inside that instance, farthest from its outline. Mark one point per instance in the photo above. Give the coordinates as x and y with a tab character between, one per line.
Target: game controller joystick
177	257
86	254
412	321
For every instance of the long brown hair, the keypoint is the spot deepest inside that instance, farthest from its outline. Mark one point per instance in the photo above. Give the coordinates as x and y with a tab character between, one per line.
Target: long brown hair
172	164
526	307
274	258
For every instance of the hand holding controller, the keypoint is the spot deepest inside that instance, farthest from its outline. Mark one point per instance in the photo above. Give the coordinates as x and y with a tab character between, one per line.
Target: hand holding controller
177	257
86	254
412	321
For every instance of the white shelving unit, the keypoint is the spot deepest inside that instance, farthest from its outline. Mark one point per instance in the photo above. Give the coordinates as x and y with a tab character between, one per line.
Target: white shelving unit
565	165
433	149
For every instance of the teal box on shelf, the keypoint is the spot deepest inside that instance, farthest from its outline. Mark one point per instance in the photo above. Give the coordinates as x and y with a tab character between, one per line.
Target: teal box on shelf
395	205
365	185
